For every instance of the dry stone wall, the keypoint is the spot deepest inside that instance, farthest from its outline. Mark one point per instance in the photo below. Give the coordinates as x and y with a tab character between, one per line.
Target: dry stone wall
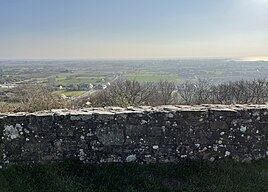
141	134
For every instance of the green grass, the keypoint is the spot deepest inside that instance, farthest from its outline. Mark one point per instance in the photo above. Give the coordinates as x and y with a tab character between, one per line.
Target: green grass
70	93
188	176
78	79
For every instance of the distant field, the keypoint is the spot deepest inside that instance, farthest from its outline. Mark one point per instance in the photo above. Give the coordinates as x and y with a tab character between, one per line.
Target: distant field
186	176
61	72
77	80
70	93
153	77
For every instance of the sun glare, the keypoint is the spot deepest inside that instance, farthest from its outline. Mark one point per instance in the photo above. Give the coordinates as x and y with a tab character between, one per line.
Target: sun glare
255	59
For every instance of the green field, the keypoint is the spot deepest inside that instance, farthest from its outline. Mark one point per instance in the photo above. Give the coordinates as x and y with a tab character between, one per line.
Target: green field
64	72
187	176
70	93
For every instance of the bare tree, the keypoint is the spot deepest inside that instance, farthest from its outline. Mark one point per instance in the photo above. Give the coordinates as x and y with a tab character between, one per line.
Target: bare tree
186	92
36	98
165	93
125	93
259	90
202	91
133	93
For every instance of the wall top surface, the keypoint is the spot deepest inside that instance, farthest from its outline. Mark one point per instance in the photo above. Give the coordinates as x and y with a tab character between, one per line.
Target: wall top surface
142	109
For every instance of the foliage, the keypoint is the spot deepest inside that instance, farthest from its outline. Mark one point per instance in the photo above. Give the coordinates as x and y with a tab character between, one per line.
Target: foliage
9	107
186	176
133	93
34	98
237	92
125	93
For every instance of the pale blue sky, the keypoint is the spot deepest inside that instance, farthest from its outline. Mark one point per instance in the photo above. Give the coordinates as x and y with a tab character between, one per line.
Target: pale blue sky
133	28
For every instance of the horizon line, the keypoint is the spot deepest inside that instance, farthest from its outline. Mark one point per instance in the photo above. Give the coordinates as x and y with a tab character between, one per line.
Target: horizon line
121	58
254	58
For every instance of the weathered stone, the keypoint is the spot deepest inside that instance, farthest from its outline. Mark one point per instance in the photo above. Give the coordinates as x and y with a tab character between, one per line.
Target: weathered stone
136	134
110	134
216	125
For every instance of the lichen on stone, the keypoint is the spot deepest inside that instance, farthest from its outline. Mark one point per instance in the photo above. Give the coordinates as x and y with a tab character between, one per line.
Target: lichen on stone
12	132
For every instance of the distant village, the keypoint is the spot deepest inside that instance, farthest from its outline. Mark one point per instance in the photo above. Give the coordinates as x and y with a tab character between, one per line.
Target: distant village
10	96
72	87
83	87
8	86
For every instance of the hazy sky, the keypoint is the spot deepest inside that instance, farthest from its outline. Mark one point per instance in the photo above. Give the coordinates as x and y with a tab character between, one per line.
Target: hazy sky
133	28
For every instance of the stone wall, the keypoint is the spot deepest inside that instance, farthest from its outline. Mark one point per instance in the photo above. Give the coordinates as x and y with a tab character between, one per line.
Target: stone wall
144	134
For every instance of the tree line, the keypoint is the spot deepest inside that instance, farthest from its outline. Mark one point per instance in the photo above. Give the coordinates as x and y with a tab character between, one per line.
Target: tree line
125	93
133	93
